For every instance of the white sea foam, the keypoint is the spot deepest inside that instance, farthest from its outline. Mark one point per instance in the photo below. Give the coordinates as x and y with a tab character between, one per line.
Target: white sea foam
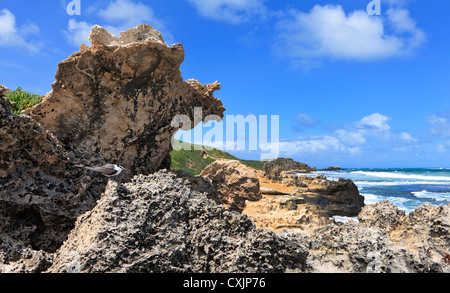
401	202
371	198
437	196
393	183
397	175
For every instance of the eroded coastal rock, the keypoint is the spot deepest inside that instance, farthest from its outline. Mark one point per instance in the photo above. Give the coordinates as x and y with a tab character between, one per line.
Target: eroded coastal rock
111	103
234	182
330	197
3	90
114	102
327	197
424	232
39	190
156	223
274	168
384	241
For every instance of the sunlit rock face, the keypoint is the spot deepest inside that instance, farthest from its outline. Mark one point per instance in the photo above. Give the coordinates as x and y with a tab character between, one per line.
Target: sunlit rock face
115	101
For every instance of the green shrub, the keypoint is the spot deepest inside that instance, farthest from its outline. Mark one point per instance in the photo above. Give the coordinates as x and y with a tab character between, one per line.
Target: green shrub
22	100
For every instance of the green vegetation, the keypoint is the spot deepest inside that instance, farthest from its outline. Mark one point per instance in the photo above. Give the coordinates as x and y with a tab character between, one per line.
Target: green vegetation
22	100
194	161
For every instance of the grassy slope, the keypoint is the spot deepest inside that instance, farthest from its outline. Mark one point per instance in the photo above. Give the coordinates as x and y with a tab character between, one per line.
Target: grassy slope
193	162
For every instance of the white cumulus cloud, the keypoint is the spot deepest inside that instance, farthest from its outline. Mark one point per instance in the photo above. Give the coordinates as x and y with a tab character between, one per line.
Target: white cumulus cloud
376	121
12	35
329	32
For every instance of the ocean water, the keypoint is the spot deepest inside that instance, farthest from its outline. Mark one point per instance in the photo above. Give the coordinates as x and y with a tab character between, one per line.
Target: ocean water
407	188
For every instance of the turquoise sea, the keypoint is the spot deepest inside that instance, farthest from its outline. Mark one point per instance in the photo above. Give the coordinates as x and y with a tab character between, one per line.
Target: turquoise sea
407	188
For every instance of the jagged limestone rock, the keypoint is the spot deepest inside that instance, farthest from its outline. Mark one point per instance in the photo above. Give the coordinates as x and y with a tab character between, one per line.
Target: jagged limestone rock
115	101
111	103
157	223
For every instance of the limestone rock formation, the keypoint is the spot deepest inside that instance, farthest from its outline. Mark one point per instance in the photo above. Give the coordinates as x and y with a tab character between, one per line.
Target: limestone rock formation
333	168
235	183
271	191
114	102
280	212
303	203
426	229
384	215
156	223
3	90
274	168
15	257
39	190
351	248
334	198
199	184
327	197
384	240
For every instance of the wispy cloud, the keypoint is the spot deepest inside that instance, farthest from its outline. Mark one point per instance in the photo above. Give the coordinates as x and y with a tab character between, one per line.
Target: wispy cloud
440	125
303	121
12	35
316	145
232	11
354	139
443	147
405	136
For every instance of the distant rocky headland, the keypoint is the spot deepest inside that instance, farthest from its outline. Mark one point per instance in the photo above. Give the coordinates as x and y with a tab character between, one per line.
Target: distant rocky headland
113	103
334	168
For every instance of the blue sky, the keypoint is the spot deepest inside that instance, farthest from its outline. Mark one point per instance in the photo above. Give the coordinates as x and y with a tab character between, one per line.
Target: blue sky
350	89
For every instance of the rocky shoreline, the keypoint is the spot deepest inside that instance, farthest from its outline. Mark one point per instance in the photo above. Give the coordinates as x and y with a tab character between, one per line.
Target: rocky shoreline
56	218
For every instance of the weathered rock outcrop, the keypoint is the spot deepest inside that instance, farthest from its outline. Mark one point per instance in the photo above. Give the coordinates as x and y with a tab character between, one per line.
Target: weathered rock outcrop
274	168
40	194
327	197
112	102
306	203
235	183
333	168
332	198
15	257
3	90
278	212
156	223
115	101
385	240
424	233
